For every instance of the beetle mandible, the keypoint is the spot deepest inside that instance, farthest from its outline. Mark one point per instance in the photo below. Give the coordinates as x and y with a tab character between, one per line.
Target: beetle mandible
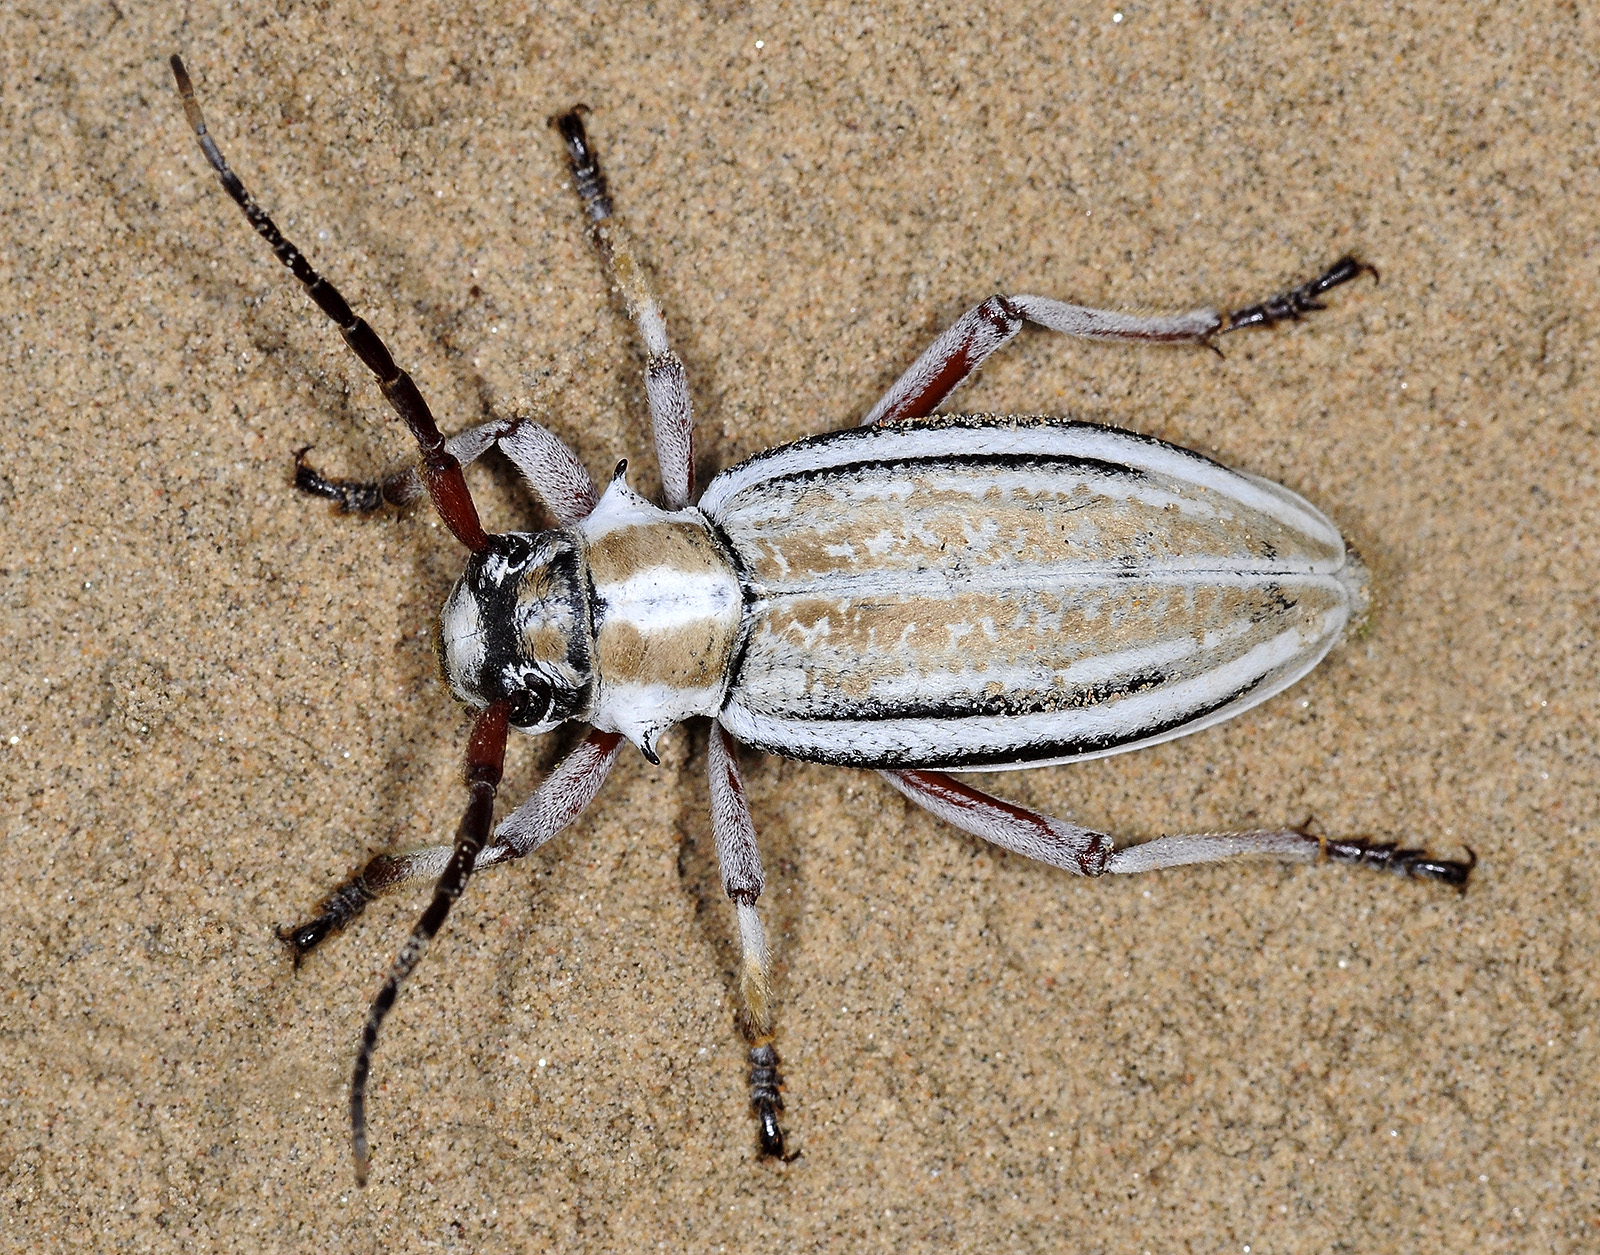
914	594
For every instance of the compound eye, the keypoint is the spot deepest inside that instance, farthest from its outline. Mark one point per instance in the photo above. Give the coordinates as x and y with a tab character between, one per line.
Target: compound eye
531	706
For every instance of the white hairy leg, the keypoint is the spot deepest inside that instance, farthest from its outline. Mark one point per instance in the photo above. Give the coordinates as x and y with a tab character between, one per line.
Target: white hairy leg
742	881
552	470
965	344
560	799
1090	853
666	387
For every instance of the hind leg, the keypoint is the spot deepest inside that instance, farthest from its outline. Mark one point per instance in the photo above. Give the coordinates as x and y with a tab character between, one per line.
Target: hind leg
982	330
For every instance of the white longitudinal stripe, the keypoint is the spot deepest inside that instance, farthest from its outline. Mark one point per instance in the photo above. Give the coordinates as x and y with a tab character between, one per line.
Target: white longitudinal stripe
661	598
980	483
1045	439
923	687
1060	577
955	486
1271	666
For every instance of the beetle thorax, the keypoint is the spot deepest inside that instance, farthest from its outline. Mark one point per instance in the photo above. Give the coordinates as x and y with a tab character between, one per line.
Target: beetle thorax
666	608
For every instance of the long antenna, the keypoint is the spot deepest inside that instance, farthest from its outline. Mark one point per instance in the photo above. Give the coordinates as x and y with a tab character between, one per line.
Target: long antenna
485	756
441	472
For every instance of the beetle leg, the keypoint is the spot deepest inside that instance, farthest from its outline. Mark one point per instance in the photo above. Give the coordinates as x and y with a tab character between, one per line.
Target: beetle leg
1011	827
361	496
356	496
1297	301
957	351
1090	853
566	791
742	881
666	387
1292	845
966	343
552	471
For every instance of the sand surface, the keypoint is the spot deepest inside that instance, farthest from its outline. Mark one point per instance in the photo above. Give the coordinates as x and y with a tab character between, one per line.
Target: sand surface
216	699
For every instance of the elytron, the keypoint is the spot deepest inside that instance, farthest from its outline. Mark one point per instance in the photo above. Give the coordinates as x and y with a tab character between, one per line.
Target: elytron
914	594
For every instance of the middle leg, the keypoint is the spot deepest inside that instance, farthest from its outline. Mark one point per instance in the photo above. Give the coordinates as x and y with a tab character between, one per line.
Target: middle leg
666	387
742	881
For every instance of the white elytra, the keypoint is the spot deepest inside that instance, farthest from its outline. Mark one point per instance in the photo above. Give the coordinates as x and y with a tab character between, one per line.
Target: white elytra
980	592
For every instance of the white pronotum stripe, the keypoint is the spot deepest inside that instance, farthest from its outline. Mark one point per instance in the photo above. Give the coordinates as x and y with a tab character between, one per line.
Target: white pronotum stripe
659	599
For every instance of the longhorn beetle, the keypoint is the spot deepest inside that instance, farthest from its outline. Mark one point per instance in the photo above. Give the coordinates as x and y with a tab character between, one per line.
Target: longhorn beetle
913	594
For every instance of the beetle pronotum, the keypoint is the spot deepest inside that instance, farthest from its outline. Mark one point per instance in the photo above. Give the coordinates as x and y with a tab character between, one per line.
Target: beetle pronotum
913	594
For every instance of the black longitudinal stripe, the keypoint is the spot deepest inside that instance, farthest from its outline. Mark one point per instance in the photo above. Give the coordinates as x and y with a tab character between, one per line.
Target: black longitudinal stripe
966	422
956	462
1007	755
748	597
1034	702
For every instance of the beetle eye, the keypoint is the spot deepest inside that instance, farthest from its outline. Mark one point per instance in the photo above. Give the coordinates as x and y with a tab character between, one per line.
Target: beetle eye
531	705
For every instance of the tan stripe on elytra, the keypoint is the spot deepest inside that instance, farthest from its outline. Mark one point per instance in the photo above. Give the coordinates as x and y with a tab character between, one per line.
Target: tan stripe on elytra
804	529
1039	650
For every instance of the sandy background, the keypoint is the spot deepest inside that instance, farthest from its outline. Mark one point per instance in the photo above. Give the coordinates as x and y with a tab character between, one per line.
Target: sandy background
216	700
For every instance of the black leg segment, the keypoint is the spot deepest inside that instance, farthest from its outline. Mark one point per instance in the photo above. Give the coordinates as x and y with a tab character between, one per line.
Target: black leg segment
352	496
1297	301
587	177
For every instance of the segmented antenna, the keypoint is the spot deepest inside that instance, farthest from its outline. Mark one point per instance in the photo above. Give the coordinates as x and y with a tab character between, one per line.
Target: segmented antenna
485	758
441	471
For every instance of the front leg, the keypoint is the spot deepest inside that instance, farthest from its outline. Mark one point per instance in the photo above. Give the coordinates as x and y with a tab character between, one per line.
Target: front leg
985	328
566	791
551	469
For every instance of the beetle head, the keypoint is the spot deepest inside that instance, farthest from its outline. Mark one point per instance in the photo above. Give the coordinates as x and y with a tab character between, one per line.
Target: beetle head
516	628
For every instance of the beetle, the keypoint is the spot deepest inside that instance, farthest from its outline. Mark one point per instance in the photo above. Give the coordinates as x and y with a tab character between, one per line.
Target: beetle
916	594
